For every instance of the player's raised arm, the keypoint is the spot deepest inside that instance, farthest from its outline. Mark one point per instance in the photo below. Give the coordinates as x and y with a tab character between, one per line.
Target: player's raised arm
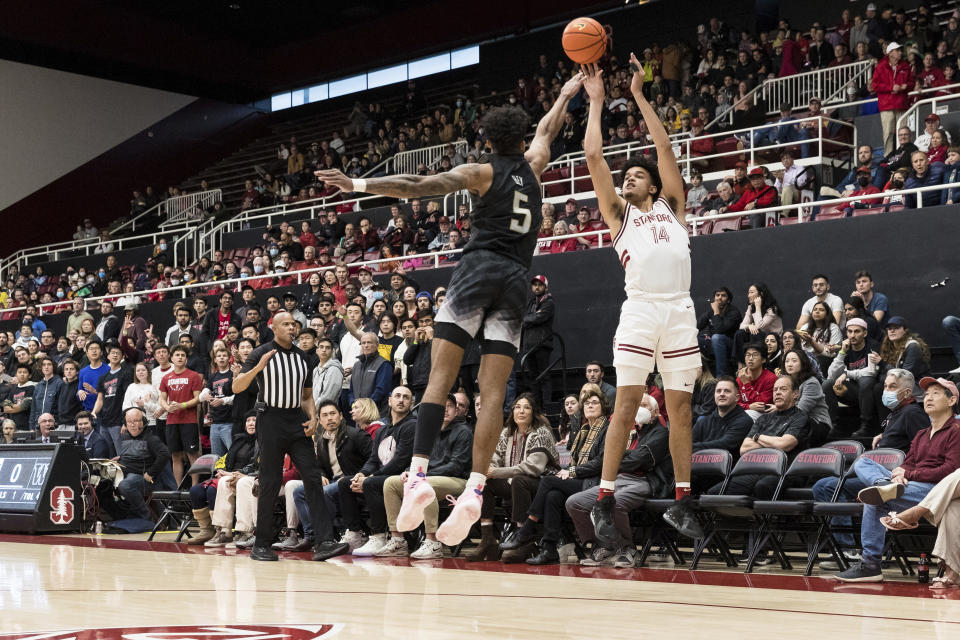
611	205
538	154
666	161
474	177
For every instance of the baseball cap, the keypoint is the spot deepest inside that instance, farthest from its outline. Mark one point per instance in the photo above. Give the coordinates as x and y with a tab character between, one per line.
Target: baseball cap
696	122
865	170
289	295
897	321
857	322
571	201
871	7
362	269
756	171
451	398
943	382
892	46
425	294
932	118
443	219
541	279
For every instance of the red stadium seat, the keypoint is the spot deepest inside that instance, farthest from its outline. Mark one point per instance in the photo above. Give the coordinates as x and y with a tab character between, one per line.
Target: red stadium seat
831	213
730	224
582	185
875	210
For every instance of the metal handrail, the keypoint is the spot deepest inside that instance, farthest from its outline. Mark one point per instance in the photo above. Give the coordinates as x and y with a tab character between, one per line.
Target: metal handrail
302	275
132	222
686	160
181	208
694	220
912	113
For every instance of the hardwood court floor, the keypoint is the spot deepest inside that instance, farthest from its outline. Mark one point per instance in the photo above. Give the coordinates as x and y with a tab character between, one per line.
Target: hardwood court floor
52	583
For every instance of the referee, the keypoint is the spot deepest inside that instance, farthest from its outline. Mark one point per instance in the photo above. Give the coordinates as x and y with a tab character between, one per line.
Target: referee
285	382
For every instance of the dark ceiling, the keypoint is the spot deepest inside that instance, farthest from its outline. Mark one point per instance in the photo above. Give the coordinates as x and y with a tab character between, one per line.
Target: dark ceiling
243	50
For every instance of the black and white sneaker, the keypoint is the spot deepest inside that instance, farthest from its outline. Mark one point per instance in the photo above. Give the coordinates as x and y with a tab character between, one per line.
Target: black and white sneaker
860	573
683	518
604	525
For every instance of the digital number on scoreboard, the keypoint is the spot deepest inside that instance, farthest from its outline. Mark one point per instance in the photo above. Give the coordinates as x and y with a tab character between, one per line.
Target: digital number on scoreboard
22	476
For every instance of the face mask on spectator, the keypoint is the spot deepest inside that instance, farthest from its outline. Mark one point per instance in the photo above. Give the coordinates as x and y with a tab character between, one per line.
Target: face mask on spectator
91	279
274	252
174	281
889	400
82	274
258	268
863	181
163	246
101	273
244	274
60	294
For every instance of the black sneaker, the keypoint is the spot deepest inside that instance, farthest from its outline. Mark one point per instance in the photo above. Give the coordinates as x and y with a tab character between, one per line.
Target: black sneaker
265	554
682	518
860	573
328	549
604	525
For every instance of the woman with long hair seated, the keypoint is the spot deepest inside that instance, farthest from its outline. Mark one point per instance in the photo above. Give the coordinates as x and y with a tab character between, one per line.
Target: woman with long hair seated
811	401
219	492
547	508
821	336
525	453
901	349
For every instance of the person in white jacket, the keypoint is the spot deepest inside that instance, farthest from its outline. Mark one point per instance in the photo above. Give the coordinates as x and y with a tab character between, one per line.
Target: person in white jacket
141	393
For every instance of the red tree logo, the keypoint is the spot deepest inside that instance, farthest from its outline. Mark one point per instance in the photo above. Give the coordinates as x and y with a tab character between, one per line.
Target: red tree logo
61	505
208	632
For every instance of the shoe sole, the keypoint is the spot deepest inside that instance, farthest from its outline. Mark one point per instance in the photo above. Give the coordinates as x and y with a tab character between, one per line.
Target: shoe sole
603	536
863	579
457	525
874	497
432	556
261	559
337	551
693	534
392	554
410	517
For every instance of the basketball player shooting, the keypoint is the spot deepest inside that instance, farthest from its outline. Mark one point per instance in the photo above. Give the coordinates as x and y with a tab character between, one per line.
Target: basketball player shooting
487	293
657	321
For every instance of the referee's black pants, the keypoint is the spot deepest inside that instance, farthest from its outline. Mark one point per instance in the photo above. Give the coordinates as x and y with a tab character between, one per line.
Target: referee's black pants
280	432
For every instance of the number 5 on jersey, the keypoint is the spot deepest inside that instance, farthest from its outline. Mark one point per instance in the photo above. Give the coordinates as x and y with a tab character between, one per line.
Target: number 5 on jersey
521	225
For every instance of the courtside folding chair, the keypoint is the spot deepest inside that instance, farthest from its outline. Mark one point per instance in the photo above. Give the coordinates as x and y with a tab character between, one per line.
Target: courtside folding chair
175	506
851	450
706	466
826	511
791	509
730	512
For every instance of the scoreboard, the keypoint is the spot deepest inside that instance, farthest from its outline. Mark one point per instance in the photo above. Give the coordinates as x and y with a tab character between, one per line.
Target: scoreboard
40	488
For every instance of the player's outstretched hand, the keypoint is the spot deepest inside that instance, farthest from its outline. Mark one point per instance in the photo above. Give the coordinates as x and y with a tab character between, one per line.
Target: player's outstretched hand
332	177
572	86
636	84
593	82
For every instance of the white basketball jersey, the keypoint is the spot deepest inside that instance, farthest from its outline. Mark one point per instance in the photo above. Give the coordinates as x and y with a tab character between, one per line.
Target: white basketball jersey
654	250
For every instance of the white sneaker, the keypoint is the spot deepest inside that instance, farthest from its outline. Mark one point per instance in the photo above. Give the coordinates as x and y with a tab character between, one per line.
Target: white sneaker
245	541
373	544
852	558
429	550
355	539
466	511
395	548
626	558
417	494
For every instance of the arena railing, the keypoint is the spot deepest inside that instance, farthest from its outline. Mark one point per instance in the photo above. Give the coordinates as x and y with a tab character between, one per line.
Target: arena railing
911	117
771	213
682	149
431	260
52	252
182	209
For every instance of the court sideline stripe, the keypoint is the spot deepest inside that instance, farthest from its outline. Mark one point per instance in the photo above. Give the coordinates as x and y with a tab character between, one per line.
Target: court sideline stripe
525	596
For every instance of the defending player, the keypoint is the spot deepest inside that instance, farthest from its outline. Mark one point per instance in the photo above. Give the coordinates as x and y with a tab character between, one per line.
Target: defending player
488	291
657	321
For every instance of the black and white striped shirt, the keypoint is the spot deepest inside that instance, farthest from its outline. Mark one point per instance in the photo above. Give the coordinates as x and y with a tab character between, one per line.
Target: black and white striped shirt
284	378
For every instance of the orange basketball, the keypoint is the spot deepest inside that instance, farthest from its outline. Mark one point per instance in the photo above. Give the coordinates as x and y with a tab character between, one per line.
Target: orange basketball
584	40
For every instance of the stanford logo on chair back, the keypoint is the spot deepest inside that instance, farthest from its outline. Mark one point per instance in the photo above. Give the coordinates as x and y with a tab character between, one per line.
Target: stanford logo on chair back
61	505
761	458
207	632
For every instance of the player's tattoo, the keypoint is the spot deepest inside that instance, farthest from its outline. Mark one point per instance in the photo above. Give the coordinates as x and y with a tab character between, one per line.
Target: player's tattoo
411	186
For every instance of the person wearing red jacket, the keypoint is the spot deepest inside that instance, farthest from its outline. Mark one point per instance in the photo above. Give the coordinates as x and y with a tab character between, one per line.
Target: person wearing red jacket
892	82
755	381
864	188
758	195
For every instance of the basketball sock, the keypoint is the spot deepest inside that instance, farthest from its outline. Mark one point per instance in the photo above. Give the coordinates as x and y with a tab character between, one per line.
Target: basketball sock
475	481
682	490
429	424
418	465
606	489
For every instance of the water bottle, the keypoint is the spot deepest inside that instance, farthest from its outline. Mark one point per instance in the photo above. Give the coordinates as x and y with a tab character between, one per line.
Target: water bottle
98	528
923	570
